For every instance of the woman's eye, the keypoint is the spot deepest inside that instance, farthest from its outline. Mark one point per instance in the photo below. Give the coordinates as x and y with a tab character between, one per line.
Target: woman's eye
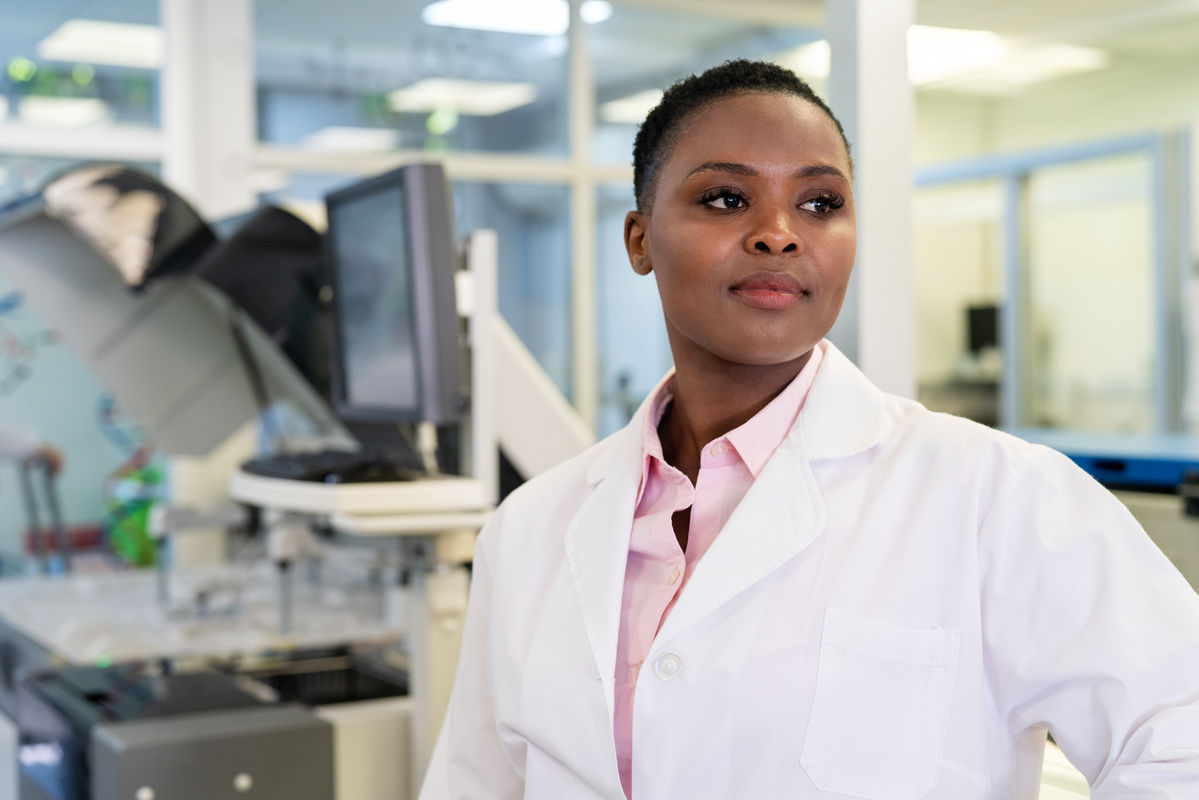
723	200
824	204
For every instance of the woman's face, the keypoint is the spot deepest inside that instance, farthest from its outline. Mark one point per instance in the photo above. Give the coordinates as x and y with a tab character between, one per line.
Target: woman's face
751	232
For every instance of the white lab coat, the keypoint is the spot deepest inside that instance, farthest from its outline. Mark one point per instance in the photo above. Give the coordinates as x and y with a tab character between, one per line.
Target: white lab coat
899	607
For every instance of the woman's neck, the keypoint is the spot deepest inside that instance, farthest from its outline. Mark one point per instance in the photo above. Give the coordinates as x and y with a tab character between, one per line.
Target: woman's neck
709	403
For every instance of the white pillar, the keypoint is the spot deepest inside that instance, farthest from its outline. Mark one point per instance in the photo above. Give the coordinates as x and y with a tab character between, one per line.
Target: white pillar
208	128
870	93
208	116
584	331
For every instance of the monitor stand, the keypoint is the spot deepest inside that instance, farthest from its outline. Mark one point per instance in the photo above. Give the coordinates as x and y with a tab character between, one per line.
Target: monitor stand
389	441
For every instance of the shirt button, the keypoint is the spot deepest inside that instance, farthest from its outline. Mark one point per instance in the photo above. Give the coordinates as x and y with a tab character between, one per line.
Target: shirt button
674	576
669	667
719	449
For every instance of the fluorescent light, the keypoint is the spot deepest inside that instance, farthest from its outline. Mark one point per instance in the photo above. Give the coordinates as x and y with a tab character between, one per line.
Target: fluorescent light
532	17
115	43
476	98
969	60
935	54
808	61
1036	65
631	109
338	138
62	112
593	11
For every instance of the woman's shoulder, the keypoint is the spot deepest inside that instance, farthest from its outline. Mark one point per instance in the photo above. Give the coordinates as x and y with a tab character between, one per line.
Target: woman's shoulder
964	442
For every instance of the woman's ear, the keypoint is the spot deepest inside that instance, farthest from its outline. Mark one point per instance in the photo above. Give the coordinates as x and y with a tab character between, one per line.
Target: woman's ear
636	242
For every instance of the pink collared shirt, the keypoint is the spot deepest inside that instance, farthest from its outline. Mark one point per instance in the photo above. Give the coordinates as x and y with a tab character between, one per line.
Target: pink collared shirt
657	568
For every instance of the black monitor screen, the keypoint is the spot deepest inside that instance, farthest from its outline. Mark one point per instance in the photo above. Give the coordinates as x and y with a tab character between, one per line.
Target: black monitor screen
375	302
982	327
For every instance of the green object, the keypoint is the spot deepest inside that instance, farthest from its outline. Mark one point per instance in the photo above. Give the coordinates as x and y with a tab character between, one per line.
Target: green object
83	74
21	69
442	121
130	494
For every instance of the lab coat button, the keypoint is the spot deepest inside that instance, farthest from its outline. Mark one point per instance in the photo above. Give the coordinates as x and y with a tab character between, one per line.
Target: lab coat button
674	576
669	667
719	449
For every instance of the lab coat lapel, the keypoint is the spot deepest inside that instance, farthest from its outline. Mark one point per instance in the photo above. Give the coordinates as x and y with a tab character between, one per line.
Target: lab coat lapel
778	518
844	413
782	512
597	545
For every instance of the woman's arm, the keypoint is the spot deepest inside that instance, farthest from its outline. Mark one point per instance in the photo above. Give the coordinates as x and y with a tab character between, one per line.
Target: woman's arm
1091	632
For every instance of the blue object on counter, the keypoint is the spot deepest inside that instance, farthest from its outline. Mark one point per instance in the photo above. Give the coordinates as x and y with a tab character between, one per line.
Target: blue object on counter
1148	462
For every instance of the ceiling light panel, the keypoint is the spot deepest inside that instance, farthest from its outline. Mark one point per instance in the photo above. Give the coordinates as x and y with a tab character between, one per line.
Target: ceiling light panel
113	43
966	60
530	17
336	138
473	98
61	112
630	110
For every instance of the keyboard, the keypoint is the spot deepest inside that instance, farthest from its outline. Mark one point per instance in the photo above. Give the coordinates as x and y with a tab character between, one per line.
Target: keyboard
333	466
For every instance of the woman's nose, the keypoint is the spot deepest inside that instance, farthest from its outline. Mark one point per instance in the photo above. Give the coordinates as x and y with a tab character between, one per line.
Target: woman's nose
773	233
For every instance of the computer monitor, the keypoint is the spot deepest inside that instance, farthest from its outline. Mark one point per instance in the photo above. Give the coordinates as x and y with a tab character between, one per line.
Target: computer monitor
390	251
982	327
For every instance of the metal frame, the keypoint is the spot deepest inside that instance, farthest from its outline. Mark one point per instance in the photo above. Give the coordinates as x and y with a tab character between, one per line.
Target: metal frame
1171	248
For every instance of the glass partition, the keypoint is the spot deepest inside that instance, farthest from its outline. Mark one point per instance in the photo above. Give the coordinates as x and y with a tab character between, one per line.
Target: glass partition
76	66
631	336
1038	283
958	261
361	77
1090	274
532	222
72	76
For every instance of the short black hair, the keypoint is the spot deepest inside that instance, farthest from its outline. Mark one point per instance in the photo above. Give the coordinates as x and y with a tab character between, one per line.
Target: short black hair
660	131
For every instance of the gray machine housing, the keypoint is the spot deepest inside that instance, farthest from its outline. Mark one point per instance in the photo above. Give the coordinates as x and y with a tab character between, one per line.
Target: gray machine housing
282	751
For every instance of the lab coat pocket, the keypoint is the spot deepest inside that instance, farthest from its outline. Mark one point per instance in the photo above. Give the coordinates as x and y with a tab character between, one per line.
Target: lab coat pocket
880	709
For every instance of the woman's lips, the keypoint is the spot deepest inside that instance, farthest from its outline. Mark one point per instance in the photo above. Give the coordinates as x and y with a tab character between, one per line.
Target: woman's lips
770	290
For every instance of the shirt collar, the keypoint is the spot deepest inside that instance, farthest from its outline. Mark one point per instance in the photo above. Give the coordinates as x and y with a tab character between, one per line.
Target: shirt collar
651	445
755	440
844	414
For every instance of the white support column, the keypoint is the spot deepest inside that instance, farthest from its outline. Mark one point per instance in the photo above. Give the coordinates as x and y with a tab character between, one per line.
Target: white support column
208	132
870	92
208	108
582	222
482	257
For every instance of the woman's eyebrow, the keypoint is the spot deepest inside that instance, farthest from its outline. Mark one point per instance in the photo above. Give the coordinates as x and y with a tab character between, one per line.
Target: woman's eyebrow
732	167
817	170
724	166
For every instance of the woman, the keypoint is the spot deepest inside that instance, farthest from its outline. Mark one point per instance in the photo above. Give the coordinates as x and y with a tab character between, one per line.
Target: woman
778	581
